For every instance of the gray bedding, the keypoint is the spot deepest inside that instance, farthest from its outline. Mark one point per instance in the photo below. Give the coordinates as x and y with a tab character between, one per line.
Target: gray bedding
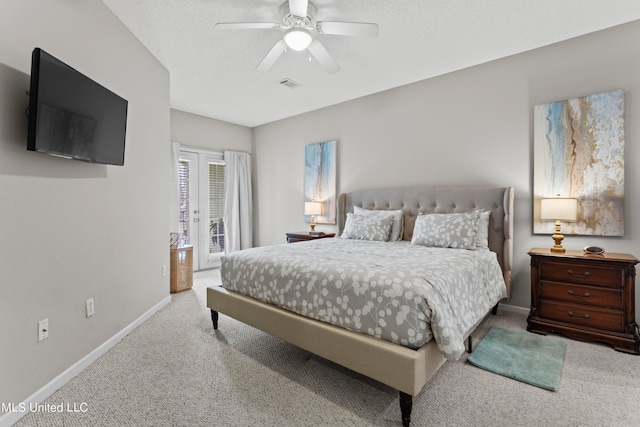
399	292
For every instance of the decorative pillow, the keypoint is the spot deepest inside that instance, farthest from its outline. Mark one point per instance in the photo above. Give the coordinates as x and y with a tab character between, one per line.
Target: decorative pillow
454	230
366	228
482	237
397	225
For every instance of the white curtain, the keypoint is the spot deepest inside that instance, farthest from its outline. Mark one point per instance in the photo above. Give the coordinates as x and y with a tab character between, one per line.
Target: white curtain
238	207
174	185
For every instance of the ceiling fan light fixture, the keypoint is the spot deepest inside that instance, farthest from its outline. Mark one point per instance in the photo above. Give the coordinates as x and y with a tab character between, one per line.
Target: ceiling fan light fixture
298	38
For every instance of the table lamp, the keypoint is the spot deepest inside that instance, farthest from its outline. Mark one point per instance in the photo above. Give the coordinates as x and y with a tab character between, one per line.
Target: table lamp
558	209
313	208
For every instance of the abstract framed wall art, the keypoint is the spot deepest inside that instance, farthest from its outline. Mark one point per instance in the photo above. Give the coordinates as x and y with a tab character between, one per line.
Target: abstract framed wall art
320	179
579	153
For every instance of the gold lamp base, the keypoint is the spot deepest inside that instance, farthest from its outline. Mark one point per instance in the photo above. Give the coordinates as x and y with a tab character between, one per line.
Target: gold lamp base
557	239
313	223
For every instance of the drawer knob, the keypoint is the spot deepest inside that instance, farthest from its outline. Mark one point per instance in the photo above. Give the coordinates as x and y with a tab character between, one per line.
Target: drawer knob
586	316
585	274
586	294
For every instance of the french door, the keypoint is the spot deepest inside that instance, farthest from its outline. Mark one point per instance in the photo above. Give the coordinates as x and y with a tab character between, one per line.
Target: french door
201	178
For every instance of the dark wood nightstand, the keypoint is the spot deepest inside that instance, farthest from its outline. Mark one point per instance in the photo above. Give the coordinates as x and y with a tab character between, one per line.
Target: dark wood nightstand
585	297
301	236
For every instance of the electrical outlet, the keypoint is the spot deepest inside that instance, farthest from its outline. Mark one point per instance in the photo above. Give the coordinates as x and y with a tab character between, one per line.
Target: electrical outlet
89	308
43	329
164	270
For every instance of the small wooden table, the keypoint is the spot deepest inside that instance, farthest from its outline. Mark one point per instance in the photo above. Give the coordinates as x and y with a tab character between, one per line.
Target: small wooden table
301	236
181	266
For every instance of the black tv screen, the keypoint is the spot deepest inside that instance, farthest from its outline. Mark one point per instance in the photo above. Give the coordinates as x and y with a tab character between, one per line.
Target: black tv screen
72	116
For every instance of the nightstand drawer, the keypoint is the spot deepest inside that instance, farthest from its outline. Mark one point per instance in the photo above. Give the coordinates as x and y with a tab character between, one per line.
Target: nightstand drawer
601	297
581	273
583	315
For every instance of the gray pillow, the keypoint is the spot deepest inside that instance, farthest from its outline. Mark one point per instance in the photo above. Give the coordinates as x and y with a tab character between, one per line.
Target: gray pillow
397	226
482	238
366	228
454	230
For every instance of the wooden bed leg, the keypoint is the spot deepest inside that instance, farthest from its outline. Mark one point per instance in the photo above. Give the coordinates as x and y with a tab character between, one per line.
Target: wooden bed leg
214	319
406	403
494	310
469	344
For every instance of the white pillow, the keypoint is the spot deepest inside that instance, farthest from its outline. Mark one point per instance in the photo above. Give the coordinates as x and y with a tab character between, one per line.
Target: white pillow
397	226
366	228
482	237
454	230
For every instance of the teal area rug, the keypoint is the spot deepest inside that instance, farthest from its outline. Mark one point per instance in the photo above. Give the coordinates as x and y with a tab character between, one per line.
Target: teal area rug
524	356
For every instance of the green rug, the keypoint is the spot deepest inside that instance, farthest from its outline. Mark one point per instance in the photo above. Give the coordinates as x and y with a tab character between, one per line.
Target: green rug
524	356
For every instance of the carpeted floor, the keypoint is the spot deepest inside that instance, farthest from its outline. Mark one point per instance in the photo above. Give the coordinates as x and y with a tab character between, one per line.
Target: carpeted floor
175	371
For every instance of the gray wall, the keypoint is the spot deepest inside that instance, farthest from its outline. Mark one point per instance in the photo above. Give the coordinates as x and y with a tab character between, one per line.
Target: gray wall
471	127
204	132
71	230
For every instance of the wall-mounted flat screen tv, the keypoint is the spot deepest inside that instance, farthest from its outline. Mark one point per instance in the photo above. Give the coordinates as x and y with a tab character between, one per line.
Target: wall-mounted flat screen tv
72	116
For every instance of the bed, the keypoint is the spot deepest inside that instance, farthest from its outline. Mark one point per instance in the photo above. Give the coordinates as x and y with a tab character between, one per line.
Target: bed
403	362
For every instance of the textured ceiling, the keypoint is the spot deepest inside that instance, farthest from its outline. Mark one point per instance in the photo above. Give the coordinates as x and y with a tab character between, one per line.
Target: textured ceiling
213	73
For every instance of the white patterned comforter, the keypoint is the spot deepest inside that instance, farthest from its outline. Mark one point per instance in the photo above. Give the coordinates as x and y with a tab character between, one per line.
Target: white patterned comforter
402	293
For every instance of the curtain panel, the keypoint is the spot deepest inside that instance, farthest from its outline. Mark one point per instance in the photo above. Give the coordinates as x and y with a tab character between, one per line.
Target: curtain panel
238	205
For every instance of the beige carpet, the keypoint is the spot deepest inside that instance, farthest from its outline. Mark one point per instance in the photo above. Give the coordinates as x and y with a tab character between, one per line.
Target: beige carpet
175	371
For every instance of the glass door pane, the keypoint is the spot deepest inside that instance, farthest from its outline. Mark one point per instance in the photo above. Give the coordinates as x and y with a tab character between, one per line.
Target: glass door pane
212	204
216	208
189	203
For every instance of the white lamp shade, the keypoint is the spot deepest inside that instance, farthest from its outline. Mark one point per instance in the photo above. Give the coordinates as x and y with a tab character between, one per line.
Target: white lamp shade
297	38
558	209
312	208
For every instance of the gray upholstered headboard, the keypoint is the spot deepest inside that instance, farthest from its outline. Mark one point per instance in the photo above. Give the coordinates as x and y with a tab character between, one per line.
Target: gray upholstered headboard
416	200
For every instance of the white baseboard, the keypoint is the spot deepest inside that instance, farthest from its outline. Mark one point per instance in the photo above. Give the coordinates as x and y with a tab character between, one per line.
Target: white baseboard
39	396
513	309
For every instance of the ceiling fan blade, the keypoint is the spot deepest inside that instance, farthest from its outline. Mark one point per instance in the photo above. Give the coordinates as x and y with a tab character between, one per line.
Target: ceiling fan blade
271	57
360	29
299	7
246	26
322	56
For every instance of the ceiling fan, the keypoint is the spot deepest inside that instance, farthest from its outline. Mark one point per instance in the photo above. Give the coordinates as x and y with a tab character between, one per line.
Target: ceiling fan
300	30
